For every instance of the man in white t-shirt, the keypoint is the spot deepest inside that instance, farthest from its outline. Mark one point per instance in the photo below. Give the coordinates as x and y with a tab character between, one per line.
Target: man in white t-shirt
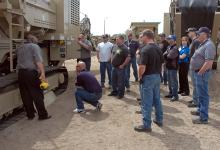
104	56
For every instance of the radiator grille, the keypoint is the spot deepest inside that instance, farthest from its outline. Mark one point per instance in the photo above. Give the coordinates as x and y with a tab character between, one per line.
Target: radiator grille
74	12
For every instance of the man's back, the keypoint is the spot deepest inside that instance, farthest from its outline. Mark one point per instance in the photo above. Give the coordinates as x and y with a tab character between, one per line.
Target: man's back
88	81
151	56
28	55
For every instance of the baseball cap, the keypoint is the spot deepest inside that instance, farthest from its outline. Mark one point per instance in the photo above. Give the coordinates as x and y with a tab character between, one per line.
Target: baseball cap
171	37
203	29
191	29
162	35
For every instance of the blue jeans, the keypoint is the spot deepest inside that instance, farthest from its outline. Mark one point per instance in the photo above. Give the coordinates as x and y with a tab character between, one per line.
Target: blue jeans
150	96
132	63
103	67
195	100
118	81
203	93
173	83
127	83
164	74
83	95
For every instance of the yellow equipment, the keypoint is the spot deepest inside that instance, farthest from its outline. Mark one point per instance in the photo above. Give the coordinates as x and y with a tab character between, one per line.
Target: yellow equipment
44	85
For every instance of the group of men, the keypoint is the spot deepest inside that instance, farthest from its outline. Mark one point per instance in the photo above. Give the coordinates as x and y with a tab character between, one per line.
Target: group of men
117	59
152	57
202	54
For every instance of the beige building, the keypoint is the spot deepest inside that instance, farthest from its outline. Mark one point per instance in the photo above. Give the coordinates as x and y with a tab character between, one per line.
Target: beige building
138	27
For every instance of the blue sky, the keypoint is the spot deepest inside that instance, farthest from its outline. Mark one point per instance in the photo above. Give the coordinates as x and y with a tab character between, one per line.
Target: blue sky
120	13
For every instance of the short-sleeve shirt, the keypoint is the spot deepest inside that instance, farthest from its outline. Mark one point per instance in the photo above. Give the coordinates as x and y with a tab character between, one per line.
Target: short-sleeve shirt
85	53
104	50
132	46
205	52
119	55
151	56
28	55
88	81
184	50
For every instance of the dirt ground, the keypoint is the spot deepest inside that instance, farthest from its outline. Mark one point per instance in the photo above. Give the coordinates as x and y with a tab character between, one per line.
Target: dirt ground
112	128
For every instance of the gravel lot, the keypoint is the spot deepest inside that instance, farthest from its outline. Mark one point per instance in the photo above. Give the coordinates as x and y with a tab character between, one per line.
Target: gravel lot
112	128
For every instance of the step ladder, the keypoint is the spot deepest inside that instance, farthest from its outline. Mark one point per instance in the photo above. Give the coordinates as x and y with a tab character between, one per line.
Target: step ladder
15	19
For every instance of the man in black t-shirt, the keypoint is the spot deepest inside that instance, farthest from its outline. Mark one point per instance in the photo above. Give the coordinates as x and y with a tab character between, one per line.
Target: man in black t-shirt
120	59
149	75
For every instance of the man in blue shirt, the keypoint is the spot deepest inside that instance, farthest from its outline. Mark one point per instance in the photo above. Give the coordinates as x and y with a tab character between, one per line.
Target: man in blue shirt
88	89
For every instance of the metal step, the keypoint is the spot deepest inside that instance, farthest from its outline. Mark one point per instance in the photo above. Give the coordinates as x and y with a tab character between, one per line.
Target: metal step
18	25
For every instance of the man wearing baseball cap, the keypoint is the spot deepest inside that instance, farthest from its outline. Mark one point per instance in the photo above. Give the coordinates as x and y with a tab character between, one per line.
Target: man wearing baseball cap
201	64
191	32
171	57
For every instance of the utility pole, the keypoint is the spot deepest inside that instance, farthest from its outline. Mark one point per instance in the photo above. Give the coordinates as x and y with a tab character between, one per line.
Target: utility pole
104	26
104	23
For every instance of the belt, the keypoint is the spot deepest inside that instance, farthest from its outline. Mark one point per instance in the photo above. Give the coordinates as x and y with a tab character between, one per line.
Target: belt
199	70
27	70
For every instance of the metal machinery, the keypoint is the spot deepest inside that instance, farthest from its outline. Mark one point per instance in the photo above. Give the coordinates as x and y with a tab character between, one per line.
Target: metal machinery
56	23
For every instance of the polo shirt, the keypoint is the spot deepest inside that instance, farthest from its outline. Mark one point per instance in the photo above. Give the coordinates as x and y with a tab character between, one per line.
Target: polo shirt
205	52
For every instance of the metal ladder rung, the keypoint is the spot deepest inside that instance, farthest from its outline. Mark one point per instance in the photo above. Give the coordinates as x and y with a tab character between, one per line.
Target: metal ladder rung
15	11
18	40
18	25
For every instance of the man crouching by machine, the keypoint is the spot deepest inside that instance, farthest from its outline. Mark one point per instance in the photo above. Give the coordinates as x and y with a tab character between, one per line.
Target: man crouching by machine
88	89
30	74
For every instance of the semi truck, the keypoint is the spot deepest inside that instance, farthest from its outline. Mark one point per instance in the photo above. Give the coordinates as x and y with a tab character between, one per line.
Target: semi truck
56	23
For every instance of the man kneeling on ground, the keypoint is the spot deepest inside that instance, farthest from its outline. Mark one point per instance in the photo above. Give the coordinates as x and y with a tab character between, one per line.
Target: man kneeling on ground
88	89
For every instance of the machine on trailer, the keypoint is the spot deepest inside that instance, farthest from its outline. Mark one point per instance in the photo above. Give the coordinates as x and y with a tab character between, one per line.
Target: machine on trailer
56	23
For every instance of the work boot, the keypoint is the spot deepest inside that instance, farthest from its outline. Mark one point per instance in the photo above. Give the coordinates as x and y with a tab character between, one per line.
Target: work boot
141	128
195	113
199	121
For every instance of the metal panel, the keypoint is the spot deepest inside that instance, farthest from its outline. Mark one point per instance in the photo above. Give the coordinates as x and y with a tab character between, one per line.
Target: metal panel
41	14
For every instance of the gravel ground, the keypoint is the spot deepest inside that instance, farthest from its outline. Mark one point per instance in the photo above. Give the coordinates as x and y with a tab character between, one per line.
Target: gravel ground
112	128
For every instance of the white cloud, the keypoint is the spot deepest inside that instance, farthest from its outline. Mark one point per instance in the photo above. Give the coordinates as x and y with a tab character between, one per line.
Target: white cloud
120	13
